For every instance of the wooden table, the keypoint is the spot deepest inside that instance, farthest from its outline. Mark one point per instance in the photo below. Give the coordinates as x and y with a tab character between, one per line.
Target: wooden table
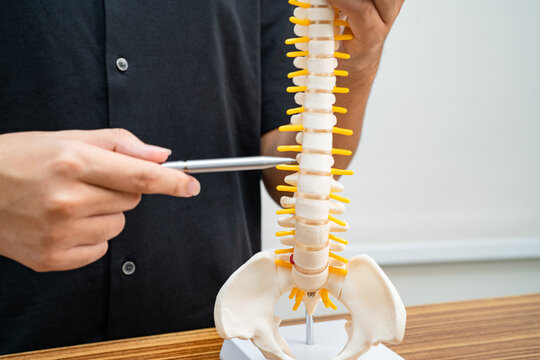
489	329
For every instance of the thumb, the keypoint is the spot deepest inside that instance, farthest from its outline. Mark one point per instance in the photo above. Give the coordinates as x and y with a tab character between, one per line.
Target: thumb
121	141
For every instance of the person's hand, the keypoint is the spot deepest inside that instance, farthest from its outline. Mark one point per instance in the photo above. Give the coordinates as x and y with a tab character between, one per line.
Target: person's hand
63	194
370	22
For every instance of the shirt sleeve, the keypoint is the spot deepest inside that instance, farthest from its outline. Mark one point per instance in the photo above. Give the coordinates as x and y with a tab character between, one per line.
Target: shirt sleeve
275	28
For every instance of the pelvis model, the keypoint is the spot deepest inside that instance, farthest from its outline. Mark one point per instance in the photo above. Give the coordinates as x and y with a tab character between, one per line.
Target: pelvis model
309	267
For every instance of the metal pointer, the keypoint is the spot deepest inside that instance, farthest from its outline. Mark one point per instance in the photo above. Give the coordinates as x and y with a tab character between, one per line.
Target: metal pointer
228	164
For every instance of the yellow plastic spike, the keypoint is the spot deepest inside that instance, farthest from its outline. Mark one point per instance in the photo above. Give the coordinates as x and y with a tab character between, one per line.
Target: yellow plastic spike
341	73
298	3
288	167
297	110
338	109
340	131
340	90
285	233
343	37
284	264
294	89
337	171
293	293
339	22
297	73
298	21
298	299
336	220
297	148
337	257
341	152
291	128
338	239
283	251
326	299
339	198
285	211
337	270
341	55
297	40
297	53
286	188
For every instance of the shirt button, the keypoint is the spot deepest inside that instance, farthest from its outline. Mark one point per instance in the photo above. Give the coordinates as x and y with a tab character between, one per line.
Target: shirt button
121	64
128	268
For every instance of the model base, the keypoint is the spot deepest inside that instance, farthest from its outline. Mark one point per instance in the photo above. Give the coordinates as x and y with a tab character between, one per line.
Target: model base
330	338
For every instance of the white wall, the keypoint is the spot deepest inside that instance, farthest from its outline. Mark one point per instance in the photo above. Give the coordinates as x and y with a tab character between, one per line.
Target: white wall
450	151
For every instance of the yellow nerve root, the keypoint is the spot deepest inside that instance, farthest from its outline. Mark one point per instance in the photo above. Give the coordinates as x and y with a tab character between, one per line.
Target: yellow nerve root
297	73
296	148
285	233
340	90
298	3
291	128
336	220
339	109
298	300
297	53
288	167
337	270
339	171
341	55
283	251
341	152
294	89
326	300
338	239
293	293
342	131
297	40
338	258
343	37
339	198
286	188
284	263
295	110
285	211
341	73
298	21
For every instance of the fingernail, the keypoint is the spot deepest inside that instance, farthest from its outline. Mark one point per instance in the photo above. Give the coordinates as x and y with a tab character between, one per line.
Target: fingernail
193	188
159	148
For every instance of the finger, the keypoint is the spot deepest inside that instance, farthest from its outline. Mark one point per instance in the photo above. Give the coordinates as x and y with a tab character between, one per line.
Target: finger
80	256
90	230
388	9
95	200
123	173
119	140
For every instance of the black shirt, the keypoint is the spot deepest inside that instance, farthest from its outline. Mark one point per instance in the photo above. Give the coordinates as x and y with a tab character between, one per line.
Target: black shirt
205	79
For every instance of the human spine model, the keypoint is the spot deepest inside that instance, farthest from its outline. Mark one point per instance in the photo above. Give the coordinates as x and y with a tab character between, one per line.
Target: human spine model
309	267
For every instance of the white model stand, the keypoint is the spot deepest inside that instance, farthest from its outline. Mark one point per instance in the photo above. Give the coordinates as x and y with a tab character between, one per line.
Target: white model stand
330	338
